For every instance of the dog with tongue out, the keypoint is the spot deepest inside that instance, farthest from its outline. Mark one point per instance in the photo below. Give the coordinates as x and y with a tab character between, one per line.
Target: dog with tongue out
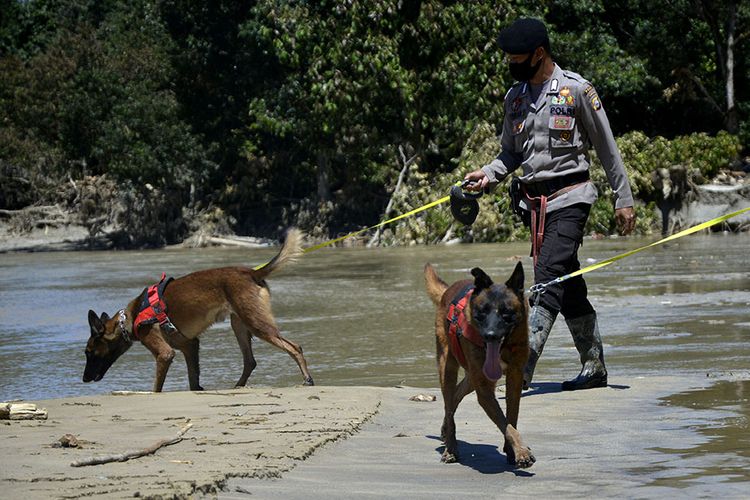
482	327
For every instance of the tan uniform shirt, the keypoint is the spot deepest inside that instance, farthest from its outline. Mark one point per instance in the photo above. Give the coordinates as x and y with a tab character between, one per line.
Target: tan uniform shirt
551	137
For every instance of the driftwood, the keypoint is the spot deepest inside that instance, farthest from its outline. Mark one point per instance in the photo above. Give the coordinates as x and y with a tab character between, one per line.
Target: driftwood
130	393
21	411
235	242
124	457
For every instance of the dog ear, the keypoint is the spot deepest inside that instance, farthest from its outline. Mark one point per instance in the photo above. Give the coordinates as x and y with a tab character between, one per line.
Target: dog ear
105	317
481	280
515	282
96	324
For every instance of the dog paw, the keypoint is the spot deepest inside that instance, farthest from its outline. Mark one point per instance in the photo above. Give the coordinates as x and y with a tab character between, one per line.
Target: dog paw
448	457
525	459
308	381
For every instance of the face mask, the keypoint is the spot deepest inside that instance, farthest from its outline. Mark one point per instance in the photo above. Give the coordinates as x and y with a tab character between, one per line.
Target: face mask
524	71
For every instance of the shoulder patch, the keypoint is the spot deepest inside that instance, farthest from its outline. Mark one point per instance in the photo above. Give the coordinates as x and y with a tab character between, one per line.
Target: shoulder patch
595	102
590	93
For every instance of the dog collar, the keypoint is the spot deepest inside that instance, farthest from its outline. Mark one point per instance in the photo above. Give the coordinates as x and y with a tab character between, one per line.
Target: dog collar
124	331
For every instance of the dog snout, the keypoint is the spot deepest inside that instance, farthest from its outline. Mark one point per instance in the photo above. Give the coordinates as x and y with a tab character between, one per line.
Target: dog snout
491	336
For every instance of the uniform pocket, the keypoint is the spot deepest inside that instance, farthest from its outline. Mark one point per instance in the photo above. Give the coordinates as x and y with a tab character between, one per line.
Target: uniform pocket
562	131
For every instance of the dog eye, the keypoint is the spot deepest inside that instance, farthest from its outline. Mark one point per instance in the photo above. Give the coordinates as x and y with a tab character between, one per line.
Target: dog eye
509	317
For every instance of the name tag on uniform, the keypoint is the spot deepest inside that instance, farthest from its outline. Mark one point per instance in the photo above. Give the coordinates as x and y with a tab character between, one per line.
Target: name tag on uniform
518	127
557	122
562	110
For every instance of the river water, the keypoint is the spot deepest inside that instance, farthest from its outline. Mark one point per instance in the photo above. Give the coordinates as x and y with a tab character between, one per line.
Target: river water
363	318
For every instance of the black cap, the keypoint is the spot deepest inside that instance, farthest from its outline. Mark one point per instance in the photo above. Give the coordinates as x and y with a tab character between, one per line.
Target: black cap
464	206
523	36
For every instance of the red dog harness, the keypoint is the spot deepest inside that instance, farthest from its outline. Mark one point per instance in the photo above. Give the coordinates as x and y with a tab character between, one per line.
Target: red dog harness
459	326
153	308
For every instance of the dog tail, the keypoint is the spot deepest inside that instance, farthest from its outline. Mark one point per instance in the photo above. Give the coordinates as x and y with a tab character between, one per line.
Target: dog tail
436	287
290	251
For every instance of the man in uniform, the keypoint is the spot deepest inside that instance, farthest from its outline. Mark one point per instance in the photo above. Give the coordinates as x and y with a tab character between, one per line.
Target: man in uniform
552	116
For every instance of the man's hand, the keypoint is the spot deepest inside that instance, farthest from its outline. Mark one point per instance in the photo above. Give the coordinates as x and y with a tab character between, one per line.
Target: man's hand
625	220
477	180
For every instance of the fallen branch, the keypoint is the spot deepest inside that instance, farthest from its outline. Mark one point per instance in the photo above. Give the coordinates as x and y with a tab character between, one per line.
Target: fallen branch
124	457
236	242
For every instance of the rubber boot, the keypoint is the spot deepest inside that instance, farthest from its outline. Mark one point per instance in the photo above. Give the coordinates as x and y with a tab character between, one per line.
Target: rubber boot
541	324
585	332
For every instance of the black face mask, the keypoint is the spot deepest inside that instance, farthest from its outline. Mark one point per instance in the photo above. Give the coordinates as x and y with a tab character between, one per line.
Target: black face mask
524	71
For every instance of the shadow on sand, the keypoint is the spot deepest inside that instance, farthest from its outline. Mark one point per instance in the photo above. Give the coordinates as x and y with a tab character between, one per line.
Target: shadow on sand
483	458
540	388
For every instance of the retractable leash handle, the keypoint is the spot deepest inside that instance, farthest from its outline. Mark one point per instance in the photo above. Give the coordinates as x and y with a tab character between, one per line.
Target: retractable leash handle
464	205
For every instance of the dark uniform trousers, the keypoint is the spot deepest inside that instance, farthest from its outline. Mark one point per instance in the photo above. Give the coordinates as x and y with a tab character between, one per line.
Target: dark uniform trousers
558	256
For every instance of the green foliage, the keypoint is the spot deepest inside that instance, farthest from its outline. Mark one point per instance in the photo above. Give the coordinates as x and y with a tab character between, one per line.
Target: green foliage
358	79
281	112
98	97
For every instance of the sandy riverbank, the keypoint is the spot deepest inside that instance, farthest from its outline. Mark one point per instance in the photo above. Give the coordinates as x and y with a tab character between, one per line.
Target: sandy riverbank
270	443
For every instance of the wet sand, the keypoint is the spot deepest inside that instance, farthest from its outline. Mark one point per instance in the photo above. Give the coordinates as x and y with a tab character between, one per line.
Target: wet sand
366	442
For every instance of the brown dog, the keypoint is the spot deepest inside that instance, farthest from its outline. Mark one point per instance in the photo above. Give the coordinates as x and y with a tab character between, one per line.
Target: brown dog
483	327
195	302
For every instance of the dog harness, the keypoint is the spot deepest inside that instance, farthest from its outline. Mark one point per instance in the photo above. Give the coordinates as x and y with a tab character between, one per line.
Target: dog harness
459	326
153	308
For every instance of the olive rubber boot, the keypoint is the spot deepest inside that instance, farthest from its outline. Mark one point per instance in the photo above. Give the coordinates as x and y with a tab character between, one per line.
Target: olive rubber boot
541	324
585	332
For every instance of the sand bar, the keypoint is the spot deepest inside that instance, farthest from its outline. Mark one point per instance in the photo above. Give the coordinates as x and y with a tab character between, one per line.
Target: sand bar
365	442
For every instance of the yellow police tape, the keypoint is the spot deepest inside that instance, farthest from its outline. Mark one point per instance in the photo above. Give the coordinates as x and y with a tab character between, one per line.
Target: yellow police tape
541	286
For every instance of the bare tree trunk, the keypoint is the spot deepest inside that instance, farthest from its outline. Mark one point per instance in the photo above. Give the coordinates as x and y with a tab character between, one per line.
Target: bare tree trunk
375	240
732	118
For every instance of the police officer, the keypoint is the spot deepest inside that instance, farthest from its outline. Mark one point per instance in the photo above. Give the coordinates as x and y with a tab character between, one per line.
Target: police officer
552	117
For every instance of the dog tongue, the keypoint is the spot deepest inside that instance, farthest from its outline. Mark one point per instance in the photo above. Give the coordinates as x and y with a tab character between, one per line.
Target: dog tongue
492	369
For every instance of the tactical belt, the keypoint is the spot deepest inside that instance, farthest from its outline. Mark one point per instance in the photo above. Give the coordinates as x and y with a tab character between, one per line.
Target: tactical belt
536	200
551	186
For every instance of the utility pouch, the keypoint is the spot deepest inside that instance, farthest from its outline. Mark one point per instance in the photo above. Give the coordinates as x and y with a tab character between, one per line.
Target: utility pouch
514	191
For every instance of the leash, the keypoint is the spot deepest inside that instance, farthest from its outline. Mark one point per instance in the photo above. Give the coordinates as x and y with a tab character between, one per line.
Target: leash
540	288
380	224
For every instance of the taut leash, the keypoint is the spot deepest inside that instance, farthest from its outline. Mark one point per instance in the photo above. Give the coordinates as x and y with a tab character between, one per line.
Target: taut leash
380	224
539	288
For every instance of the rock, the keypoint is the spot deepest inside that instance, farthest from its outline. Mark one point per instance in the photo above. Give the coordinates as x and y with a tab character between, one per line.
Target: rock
69	441
423	397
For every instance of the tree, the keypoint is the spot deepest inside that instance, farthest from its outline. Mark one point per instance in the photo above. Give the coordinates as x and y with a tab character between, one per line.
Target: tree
358	79
696	49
